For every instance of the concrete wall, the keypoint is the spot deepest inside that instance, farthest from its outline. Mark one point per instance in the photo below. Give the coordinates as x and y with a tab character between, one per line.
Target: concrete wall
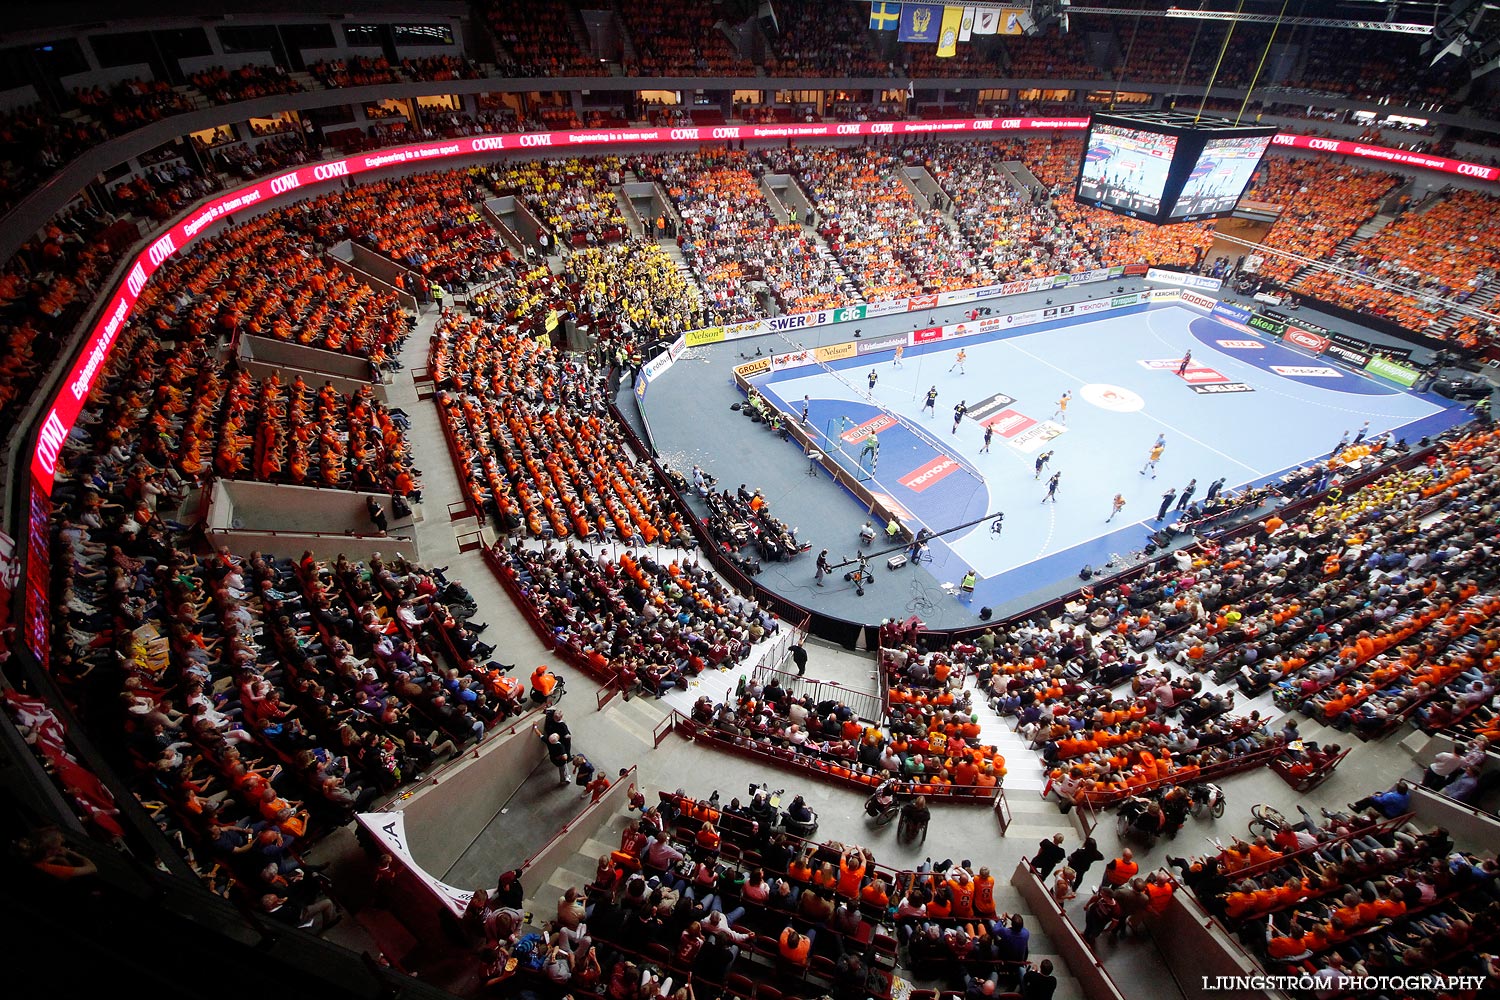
447	814
265	369
305	509
341	256
1082	964
309	359
107	77
384	268
17	98
291	544
571	839
229	60
1471	828
1194	947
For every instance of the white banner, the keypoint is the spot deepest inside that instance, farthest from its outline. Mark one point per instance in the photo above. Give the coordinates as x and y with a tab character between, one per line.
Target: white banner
390	829
1183	280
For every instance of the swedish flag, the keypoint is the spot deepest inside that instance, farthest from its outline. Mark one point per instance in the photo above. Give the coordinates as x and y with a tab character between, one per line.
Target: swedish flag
885	16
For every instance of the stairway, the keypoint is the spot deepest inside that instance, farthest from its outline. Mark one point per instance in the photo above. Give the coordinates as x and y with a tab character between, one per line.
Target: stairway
1481	299
918	195
1022	174
1372	227
773	200
1024	774
633	220
196	97
627	44
580	30
1344	246
306	79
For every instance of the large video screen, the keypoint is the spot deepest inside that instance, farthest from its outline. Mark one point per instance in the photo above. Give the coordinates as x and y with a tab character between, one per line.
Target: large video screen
1126	169
1219	177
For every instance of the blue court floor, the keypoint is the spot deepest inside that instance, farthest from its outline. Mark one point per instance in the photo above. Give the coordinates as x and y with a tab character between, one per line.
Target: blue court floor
1260	410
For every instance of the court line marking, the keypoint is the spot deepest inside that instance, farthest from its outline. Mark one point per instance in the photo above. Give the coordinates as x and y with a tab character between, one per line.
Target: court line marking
1145	412
951	545
1289	395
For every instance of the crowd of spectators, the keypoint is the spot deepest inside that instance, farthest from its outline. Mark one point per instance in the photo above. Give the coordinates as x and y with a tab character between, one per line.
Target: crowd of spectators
1370	610
355	71
430	224
1322	204
1017	230
251	701
129	104
820	39
632	294
889	245
535	448
929	739
45	288
161	192
1353	894
1340	61
1448	250
1043	57
271	155
654	625
575	198
679	40
733	238
225	86
539	37
34	143
439	67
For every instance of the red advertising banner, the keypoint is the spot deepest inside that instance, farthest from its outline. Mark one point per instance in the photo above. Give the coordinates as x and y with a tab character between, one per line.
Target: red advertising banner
925	336
61	415
1302	338
921	302
875	424
1405	157
933	472
1008	423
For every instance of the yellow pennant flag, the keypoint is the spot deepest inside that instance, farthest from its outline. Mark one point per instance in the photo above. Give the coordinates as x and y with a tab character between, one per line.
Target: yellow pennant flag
948	34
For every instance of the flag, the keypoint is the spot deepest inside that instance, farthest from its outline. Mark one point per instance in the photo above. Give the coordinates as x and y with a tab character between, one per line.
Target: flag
885	16
986	21
911	88
919	22
948	33
1010	21
966	26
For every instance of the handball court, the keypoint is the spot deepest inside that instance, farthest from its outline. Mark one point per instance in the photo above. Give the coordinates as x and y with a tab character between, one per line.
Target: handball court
1248	409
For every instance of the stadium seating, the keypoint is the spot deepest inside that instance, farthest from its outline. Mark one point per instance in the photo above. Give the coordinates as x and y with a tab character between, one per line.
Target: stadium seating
1354	886
356	71
1262	610
563	472
1450	248
538	36
225	86
733	238
1322	204
573	198
658	624
887	243
679	40
819	39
